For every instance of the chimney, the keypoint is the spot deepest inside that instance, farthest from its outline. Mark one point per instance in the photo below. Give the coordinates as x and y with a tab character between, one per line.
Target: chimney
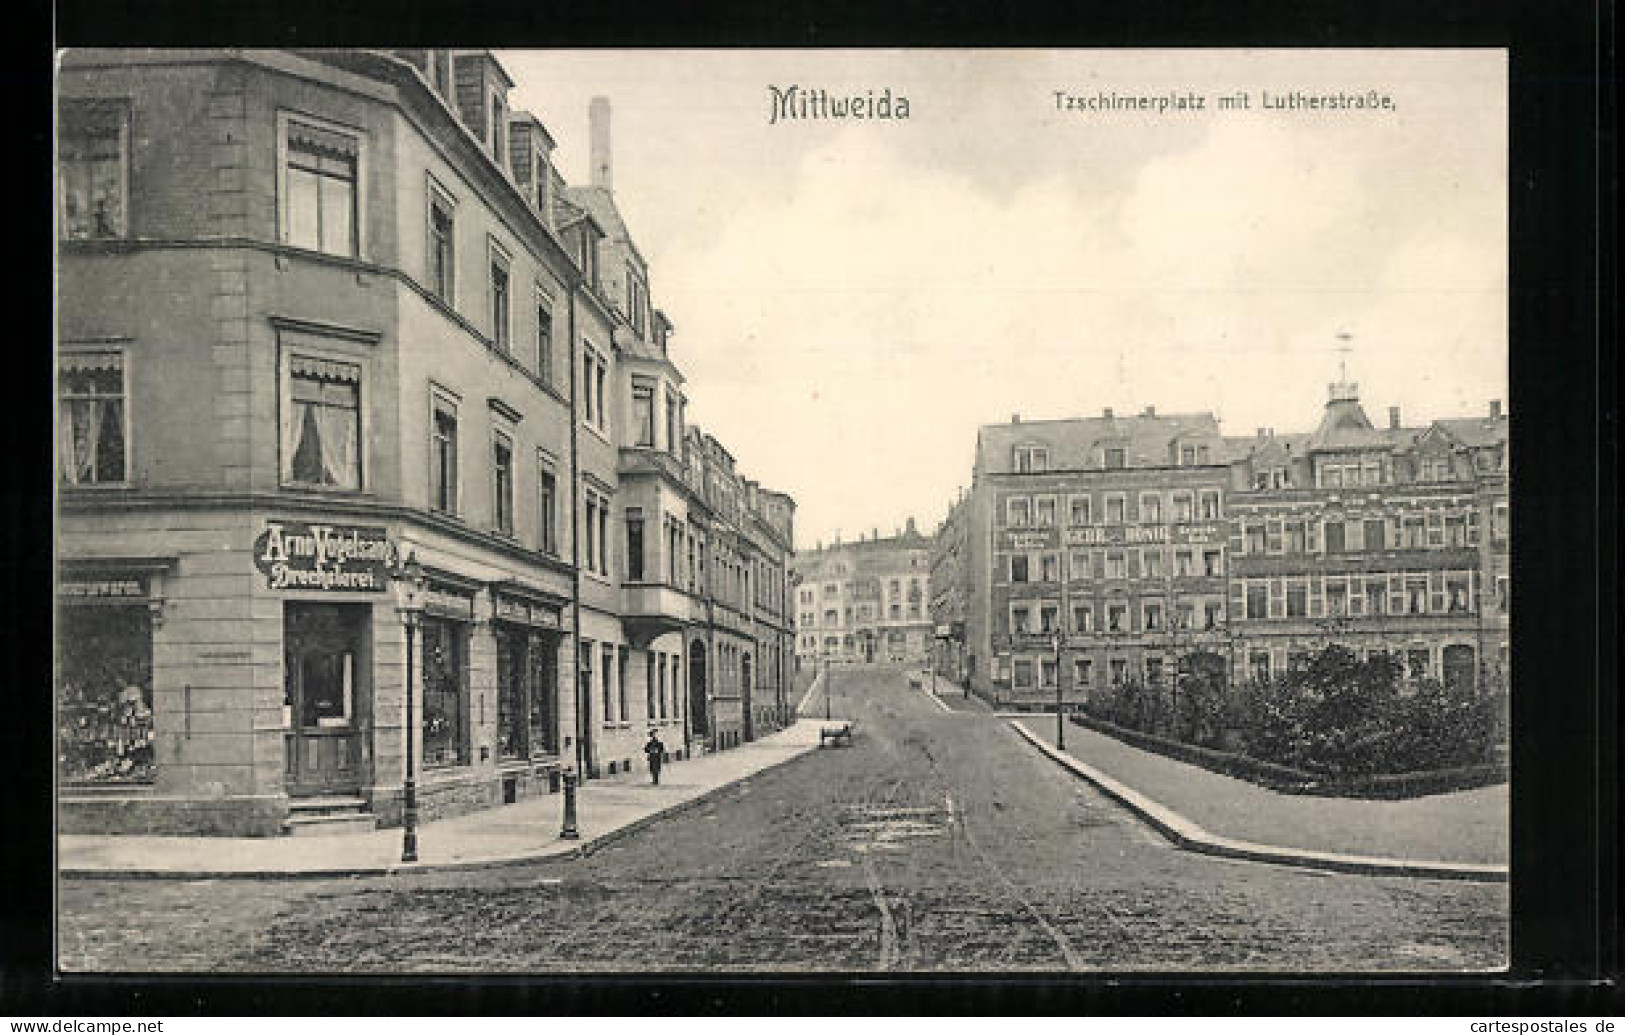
1106	413
598	121
1393	417
1263	433
1015	418
1150	411
1495	409
876	536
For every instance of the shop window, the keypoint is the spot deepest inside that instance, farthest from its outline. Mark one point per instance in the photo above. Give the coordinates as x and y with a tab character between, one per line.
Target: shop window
513	665
320	187
322	424
445	698
92	170
91	418
104	672
543	683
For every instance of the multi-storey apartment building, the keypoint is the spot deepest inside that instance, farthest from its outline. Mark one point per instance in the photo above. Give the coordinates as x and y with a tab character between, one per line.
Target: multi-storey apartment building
1096	552
948	587
865	601
1104	549
1389	539
319	311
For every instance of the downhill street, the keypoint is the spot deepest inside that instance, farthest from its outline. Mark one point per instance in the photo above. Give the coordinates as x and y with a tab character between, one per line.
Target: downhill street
937	841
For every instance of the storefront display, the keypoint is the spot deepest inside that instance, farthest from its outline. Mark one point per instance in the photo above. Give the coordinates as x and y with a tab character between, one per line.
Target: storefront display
104	682
445	697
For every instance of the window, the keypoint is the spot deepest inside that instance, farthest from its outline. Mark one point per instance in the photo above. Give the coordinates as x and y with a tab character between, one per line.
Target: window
1082	671
1045	509
1258	662
500	329
319	195
1210	504
1212	614
442	246
1498	523
502	483
1458	593
1416	662
1212	563
1049	618
1114	458
1182	506
1335	542
1048	673
1114	509
91	418
607	682
634	544
1297	599
445	704
596	555
1416	595
1080	510
1152	617
1018	567
544	337
322	424
1153	671
1255	537
1117	618
1119	668
1152	559
1376	537
593	373
93	156
1018	512
1023	673
1150	509
1502	597
499	130
1049	566
673	419
1083	618
443	457
643	412
1116	565
1257	600
1337	597
1376	598
1184	563
1031	458
548	508
1413	533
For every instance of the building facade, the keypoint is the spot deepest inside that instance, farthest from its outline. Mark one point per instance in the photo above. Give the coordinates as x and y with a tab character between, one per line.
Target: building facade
948	588
320	311
865	602
1099	550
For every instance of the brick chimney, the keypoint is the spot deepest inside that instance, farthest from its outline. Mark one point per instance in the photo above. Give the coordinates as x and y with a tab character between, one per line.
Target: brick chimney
598	123
1393	417
1263	433
1495	409
1150	411
1106	413
1015	418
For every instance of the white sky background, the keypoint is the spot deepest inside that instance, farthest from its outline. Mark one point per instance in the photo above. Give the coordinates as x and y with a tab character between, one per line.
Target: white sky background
854	298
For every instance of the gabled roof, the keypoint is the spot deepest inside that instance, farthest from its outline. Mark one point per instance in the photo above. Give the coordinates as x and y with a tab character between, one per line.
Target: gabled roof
1476	432
1072	443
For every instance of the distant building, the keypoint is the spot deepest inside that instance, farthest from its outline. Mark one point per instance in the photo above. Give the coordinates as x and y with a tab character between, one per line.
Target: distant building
865	601
948	589
1103	549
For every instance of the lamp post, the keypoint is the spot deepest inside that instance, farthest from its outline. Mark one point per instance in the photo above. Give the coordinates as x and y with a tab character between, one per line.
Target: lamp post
1060	721
829	687
408	581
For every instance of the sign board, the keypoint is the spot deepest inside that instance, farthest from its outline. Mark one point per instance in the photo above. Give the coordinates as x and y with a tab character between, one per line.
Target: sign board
1147	535
448	603
520	612
1029	540
124	588
331	558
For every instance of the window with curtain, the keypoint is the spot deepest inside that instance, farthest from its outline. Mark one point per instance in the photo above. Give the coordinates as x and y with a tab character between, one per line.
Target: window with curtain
443	474
322	424
90	418
92	155
502	483
320	177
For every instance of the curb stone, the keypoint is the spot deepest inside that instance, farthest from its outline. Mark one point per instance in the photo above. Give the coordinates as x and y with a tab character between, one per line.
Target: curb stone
1191	837
559	851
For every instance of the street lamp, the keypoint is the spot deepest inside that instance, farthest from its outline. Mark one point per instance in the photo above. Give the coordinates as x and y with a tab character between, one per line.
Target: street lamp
408	581
1060	723
829	687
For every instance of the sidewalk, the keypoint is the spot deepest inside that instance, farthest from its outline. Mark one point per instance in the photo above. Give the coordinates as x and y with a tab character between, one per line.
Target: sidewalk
526	831
1463	834
950	696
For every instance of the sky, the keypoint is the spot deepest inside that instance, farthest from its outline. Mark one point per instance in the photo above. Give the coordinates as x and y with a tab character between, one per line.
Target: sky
853	299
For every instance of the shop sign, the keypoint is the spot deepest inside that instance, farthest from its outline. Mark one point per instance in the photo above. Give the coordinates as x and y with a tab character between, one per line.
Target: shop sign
1029	540
1145	535
134	588
335	558
448	604
521	613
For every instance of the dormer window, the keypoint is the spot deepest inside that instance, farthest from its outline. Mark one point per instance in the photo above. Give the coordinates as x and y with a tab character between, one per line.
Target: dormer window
1030	459
499	130
1115	458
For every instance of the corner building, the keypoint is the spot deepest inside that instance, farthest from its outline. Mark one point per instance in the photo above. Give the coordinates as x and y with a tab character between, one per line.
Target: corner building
319	310
865	602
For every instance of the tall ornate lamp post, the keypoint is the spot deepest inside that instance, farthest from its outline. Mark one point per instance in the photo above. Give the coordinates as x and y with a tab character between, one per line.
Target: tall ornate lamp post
408	581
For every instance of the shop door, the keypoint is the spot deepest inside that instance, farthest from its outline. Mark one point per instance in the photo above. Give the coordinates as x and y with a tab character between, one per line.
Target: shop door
324	677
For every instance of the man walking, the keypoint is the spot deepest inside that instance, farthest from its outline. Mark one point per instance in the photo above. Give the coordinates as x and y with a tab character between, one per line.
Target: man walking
656	752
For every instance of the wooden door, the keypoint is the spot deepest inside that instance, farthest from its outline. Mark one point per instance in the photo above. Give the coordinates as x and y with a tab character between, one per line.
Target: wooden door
324	684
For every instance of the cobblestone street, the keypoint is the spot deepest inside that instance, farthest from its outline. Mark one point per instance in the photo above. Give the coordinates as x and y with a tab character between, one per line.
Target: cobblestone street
938	841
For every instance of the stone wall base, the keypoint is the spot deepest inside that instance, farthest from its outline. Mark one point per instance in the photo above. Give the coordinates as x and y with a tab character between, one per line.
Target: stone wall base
242	816
444	798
